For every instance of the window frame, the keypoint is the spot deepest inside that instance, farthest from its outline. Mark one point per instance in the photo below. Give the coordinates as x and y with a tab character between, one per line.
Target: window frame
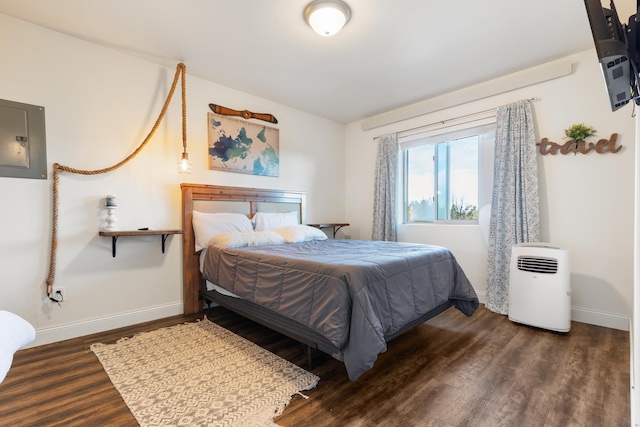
408	140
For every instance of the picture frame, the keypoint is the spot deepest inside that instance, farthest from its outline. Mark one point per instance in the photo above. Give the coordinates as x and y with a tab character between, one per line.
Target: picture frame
241	146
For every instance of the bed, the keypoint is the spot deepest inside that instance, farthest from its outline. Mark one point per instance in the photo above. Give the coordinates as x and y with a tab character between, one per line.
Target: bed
347	298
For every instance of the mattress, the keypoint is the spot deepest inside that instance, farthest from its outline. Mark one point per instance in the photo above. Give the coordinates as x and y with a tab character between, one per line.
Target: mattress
354	293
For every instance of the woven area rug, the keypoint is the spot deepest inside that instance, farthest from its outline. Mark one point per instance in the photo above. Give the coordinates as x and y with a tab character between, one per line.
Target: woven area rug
200	374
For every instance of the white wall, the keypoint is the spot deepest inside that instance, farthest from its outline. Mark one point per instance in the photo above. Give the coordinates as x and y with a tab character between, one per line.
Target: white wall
586	200
100	104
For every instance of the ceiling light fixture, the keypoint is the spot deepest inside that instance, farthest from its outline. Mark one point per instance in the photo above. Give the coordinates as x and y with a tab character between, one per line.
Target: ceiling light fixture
327	17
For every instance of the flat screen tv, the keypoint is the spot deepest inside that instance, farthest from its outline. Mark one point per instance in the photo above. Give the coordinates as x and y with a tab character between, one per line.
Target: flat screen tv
617	53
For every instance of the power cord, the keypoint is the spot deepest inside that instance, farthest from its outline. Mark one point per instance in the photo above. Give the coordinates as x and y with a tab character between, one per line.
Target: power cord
58	300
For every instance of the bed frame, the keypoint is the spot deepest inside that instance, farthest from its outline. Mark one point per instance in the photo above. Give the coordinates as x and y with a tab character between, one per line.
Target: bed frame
213	198
224	199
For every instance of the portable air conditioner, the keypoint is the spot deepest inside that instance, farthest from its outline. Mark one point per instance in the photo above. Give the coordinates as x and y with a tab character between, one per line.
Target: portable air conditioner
539	286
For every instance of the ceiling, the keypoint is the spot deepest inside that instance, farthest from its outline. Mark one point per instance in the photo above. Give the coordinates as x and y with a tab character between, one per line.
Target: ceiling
391	53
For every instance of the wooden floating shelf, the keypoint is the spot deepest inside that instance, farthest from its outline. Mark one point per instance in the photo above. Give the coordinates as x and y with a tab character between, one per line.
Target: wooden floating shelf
119	233
335	227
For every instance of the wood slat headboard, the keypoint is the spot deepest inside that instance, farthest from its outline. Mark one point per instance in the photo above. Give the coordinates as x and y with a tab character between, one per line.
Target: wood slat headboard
253	197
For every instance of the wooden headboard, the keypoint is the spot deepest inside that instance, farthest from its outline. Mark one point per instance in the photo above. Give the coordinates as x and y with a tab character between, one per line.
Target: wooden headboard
249	199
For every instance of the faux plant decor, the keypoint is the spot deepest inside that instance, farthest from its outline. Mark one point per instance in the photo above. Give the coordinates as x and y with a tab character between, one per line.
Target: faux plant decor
579	132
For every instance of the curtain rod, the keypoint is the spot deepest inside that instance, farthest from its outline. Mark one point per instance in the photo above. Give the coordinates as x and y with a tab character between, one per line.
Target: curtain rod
441	122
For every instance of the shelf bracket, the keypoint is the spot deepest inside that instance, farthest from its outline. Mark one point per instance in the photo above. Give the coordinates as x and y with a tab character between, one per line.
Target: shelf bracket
115	238
113	245
336	228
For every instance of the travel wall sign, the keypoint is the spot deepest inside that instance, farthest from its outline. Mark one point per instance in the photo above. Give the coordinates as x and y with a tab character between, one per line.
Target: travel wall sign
580	146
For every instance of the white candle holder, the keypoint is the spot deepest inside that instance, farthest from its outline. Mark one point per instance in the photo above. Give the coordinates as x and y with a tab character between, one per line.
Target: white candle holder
112	221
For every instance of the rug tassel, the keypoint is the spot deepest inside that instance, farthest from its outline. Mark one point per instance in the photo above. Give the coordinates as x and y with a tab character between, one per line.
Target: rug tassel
304	396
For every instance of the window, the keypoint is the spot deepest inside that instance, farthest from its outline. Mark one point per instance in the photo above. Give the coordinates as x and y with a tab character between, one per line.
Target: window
447	176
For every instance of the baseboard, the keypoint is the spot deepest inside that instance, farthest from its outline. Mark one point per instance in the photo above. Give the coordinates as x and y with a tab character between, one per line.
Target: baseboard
87	327
583	315
592	317
74	330
482	297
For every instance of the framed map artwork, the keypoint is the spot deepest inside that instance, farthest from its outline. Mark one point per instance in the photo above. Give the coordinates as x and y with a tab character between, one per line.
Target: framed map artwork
237	145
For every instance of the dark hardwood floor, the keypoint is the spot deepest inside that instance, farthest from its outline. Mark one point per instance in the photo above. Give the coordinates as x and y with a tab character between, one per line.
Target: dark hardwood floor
450	371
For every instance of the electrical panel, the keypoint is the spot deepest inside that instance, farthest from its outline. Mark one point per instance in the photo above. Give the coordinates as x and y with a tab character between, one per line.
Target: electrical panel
22	141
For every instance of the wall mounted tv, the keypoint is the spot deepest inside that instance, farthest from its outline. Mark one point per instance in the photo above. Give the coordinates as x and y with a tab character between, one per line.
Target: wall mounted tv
616	45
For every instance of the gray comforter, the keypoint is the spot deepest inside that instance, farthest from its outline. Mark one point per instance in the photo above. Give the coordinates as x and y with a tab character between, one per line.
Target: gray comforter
353	292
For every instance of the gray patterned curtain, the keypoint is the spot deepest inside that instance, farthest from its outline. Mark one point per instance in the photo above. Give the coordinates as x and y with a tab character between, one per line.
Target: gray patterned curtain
514	207
384	196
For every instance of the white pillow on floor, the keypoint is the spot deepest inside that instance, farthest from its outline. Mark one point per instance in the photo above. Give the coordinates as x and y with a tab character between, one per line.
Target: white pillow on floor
15	333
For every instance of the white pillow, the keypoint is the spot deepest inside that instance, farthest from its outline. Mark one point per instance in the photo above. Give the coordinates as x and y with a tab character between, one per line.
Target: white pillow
15	332
246	238
300	233
270	220
207	225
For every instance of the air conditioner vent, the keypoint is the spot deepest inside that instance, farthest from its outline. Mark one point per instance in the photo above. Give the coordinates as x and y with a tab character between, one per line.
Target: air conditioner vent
538	264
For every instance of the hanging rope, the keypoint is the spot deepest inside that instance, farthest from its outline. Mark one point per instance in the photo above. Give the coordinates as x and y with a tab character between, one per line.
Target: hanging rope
57	168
